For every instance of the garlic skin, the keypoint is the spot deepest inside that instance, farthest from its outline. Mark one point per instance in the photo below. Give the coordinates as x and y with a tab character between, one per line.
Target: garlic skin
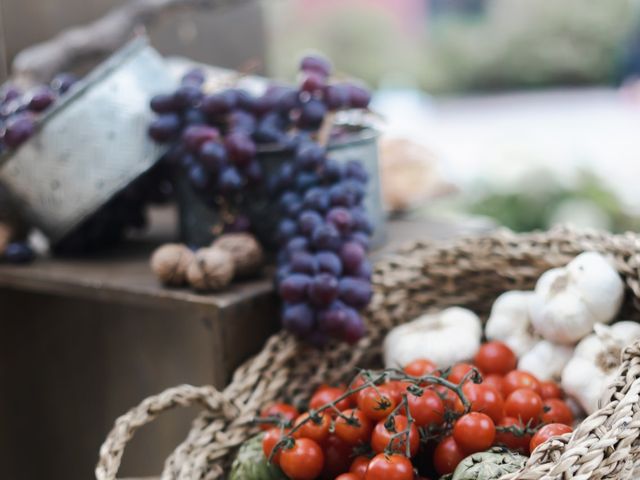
509	322
595	361
446	337
569	301
546	360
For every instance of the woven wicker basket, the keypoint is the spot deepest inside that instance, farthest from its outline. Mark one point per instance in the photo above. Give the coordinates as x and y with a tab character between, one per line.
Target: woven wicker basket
471	272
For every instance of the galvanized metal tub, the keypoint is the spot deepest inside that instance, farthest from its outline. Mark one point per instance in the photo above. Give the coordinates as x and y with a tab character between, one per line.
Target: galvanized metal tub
197	218
90	145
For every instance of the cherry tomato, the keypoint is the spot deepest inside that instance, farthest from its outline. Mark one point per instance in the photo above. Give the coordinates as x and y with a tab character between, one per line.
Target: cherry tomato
389	467
450	398
419	368
485	399
495	357
359	466
348	476
337	457
381	437
517	379
447	456
270	439
397	389
427	409
459	371
316	431
555	410
524	404
350	433
303	461
494	380
474	432
519	443
284	411
548	431
550	389
376	403
327	395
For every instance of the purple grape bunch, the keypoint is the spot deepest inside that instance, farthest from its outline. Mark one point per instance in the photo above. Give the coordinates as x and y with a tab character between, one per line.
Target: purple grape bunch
323	233
20	109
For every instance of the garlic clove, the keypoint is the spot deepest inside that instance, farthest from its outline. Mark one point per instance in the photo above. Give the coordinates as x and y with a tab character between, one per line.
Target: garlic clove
546	360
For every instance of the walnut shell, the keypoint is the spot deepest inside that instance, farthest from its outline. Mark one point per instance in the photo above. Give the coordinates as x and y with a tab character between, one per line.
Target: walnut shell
170	263
211	269
245	250
6	234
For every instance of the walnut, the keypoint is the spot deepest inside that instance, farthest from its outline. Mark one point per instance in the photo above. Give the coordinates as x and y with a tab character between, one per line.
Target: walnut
211	269
170	263
6	234
245	250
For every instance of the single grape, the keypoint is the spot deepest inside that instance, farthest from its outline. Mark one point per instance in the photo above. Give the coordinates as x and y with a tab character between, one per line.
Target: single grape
306	180
241	121
355	188
364	271
325	237
316	198
18	129
317	64
244	100
264	105
10	93
165	127
340	218
212	155
336	96
354	328
355	292
253	173
285	177
230	180
187	160
334	318
18	252
310	157
193	116
323	289
194	76
311	114
354	169
218	103
303	262
313	82
332	171
329	262
308	221
41	99
297	244
298	318
288	99
340	196
195	135
240	148
359	97
164	103
294	288
198	176
187	95
287	229
352	255
361	222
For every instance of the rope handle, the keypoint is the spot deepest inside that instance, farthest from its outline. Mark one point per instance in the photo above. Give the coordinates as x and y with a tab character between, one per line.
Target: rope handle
148	410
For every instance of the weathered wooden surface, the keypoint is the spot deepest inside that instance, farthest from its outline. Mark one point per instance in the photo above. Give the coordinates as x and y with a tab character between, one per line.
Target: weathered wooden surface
81	341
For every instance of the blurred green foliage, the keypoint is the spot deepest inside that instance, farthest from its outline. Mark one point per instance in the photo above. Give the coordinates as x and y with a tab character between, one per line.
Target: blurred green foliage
528	43
537	207
513	43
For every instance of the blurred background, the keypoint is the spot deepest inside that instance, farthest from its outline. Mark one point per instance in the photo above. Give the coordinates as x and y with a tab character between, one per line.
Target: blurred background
524	112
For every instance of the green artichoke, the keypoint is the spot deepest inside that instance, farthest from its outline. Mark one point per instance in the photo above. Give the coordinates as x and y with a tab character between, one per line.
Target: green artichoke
251	464
489	465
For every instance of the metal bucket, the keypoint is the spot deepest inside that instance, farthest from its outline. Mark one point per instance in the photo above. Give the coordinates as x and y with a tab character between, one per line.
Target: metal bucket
91	144
197	218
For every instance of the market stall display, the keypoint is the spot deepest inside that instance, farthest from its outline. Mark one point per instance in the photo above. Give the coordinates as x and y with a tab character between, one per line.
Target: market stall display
470	272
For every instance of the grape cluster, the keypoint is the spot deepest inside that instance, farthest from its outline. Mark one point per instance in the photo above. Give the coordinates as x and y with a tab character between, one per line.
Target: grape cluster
19	109
323	232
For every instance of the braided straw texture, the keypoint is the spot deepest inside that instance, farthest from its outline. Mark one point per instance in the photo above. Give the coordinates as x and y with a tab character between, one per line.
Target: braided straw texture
469	272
